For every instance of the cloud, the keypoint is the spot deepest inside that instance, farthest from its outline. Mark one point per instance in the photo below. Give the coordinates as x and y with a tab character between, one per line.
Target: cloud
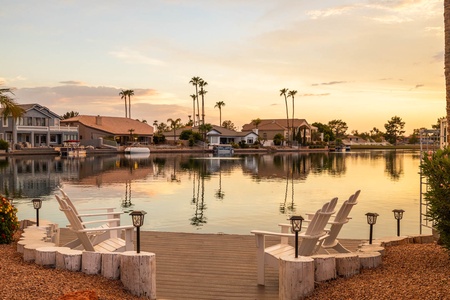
71	82
334	11
315	95
147	104
418	86
439	57
135	57
328	83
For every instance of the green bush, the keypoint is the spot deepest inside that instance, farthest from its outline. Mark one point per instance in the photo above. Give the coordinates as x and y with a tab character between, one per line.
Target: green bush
8	221
436	168
4	145
278	139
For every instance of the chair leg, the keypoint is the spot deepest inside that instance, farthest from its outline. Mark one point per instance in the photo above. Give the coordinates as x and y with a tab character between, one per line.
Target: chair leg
341	249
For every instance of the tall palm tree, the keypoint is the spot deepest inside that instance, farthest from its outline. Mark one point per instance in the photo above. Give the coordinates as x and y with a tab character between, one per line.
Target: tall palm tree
219	104
9	105
447	61
283	92
174	124
195	81
256	122
202	92
193	96
129	93
292	95
123	95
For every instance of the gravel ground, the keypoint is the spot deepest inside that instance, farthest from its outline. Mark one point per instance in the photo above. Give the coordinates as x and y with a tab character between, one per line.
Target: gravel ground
412	271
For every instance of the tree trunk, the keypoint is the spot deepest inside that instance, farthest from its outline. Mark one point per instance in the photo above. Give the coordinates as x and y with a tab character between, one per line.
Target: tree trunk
447	61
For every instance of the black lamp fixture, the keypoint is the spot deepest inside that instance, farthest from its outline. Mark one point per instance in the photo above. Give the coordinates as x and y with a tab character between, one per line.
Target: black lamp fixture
137	217
37	204
371	220
398	215
296	223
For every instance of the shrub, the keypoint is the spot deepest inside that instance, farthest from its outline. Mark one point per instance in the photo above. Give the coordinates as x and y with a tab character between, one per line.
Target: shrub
8	221
436	168
4	145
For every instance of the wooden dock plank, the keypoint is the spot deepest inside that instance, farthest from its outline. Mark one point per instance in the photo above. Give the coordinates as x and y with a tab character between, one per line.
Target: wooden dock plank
208	266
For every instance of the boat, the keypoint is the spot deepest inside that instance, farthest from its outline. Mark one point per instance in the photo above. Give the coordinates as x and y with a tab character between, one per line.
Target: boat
137	149
223	150
72	148
348	148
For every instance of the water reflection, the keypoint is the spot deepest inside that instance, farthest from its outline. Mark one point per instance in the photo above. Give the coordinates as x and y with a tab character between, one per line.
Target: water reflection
212	187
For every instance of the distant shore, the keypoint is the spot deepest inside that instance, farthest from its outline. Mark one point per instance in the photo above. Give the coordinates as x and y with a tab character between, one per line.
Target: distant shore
176	149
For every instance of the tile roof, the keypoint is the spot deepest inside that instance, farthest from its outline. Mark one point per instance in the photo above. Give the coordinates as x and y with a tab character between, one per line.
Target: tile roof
113	125
274	124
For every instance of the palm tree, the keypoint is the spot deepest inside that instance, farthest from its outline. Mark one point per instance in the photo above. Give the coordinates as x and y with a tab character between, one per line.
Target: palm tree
219	104
283	93
256	122
202	92
195	81
194	96
123	95
174	124
292	94
447	61
129	93
9	105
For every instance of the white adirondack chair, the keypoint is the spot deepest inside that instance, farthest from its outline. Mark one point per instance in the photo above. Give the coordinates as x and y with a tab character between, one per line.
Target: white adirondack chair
338	220
112	220
341	218
309	240
87	238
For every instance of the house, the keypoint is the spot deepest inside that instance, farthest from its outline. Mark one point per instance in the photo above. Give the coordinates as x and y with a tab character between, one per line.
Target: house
116	129
216	135
37	127
220	135
268	128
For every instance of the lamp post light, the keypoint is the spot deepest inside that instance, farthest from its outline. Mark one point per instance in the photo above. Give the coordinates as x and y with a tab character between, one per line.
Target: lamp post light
398	215
296	223
37	204
138	220
371	220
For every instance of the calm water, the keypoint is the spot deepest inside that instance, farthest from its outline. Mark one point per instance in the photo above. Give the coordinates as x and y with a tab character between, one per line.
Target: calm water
192	193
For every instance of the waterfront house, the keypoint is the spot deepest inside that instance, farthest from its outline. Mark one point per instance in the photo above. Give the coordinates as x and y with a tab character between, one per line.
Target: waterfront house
38	127
268	128
118	130
220	135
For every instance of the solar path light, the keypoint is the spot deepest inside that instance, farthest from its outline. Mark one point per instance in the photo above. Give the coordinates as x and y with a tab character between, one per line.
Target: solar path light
138	220
37	204
398	215
371	220
296	223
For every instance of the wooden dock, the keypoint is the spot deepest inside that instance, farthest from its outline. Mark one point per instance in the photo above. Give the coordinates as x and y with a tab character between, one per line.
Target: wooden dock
207	266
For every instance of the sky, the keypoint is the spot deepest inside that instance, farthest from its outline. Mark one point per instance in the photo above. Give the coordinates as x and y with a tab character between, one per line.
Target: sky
362	62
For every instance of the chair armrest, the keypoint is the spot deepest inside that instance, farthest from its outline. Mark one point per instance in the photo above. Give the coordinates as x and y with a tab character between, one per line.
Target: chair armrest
125	227
100	221
270	233
101	214
108	209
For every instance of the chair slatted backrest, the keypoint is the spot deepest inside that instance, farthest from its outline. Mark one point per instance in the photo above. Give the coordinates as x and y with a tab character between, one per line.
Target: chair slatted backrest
342	217
316	229
75	224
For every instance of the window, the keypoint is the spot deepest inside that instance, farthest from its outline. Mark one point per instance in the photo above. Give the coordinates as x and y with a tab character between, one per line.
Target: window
5	122
250	141
40	121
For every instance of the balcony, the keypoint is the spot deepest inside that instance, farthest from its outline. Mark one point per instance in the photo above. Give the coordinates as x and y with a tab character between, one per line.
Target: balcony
53	129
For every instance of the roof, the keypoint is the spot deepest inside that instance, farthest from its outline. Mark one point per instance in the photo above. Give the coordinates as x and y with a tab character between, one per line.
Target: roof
113	125
42	109
275	124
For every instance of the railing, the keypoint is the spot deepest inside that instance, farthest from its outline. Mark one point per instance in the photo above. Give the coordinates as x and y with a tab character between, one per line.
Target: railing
46	128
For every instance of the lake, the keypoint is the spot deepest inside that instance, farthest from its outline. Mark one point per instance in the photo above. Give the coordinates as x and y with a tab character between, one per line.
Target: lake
233	195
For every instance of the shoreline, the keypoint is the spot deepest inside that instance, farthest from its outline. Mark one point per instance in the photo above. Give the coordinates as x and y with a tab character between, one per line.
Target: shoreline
197	150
